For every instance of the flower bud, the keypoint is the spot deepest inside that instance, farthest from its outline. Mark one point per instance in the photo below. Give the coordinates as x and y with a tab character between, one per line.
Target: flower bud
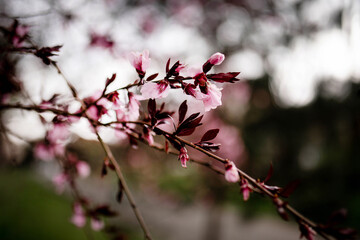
216	58
231	173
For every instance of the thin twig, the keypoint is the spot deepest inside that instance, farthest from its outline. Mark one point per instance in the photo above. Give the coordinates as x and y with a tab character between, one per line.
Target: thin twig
111	157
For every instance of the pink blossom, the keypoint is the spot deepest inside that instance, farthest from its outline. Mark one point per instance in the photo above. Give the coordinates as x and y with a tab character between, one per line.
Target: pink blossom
133	107
103	41
140	61
83	169
59	182
20	33
59	132
231	173
155	90
97	224
245	189
78	218
44	151
129	112
200	79
192	90
213	97
216	58
148	135
114	98
183	156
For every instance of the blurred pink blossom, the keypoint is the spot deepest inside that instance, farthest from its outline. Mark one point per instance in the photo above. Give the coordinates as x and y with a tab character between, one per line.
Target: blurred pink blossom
98	40
133	107
78	218
96	224
83	169
59	132
19	34
231	173
59	182
44	151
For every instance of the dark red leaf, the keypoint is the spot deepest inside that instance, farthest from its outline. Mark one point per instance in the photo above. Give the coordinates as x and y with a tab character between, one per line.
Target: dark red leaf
188	126
172	71
103	170
110	80
224	77
133	141
152	107
191	118
167	66
120	192
210	135
173	142
289	189
270	173
152	77
186	131
105	211
337	217
182	111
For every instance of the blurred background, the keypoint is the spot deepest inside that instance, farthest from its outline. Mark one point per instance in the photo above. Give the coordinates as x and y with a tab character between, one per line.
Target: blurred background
297	106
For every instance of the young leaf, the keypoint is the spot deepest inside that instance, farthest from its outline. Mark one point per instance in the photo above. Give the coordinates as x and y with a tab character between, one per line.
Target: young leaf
152	107
103	170
224	77
110	80
105	211
270	173
289	189
182	111
210	135
188	126
152	77
120	192
167	66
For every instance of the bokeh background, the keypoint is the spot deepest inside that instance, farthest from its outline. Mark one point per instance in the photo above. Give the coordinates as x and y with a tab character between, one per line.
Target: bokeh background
297	106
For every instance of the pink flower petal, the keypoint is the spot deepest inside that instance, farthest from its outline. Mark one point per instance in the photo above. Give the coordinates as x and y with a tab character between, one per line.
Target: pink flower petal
213	98
155	90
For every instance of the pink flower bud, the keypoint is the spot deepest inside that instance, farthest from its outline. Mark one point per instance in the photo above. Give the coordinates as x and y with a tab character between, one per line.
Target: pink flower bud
96	224
231	173
245	189
78	218
140	61
216	58
83	169
183	157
